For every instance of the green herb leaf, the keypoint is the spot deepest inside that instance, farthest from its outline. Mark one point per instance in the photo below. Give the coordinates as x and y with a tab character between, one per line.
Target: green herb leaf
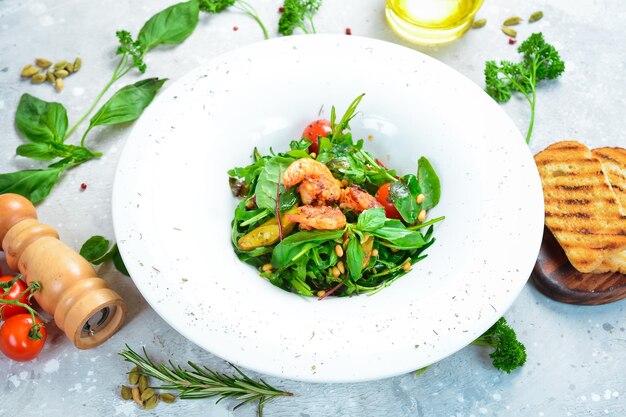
38	150
170	26
354	257
371	219
404	201
399	236
34	184
128	103
267	185
429	184
41	121
95	250
291	247
118	261
298	14
215	6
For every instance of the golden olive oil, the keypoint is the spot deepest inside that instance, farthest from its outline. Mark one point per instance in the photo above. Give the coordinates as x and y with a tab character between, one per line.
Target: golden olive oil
431	21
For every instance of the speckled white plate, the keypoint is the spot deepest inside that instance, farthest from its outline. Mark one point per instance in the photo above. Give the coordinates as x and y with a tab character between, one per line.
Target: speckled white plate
172	207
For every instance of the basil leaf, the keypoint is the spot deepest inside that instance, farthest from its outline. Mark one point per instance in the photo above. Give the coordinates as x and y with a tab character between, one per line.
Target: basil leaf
354	258
399	236
118	261
429	183
34	184
371	219
128	103
170	26
41	121
38	150
95	250
267	184
293	246
404	201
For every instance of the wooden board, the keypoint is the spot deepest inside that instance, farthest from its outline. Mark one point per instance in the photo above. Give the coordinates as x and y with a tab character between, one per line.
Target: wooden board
554	276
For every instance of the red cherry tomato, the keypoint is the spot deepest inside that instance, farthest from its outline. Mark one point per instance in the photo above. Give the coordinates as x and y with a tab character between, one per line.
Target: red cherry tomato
382	195
15	342
19	287
314	130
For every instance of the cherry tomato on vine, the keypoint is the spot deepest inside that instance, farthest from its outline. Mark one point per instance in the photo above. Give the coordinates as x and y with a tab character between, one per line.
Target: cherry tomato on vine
314	130
382	195
18	288
15	341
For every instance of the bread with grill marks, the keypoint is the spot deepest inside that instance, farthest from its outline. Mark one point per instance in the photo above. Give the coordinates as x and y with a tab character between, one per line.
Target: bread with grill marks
581	209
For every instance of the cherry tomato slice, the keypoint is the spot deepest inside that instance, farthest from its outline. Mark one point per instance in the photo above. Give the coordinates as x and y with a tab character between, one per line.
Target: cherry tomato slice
14	340
382	195
314	130
19	287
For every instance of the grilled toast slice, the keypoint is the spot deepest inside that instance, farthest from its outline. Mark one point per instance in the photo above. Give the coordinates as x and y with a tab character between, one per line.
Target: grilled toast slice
614	165
581	208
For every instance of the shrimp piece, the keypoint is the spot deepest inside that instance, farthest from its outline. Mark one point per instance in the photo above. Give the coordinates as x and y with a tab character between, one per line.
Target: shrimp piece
357	200
318	217
317	187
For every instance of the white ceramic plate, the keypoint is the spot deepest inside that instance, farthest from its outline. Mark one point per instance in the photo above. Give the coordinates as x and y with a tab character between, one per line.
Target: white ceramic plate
173	207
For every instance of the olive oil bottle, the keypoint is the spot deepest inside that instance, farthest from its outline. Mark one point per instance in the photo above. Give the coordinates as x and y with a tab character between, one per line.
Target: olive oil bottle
431	21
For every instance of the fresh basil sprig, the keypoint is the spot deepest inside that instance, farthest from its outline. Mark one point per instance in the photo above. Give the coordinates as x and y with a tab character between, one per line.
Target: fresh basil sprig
97	250
170	26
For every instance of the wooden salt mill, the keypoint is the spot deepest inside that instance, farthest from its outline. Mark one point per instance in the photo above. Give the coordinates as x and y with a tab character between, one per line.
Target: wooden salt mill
81	303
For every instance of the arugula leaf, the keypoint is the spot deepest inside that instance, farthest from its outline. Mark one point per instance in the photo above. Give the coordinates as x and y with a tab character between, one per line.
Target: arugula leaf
127	103
267	184
429	184
41	121
371	219
293	246
344	123
170	26
354	257
34	184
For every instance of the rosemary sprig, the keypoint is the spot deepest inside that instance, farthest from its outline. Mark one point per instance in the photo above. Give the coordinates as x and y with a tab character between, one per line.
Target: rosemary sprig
202	382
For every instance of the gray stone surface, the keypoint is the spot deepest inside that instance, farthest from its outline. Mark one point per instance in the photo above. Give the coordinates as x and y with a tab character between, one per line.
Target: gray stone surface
576	355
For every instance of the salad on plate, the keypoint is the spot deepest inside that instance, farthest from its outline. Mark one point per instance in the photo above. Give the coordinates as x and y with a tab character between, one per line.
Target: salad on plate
328	218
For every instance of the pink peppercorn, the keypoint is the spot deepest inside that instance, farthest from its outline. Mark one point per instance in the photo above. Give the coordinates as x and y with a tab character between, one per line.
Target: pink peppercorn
348	31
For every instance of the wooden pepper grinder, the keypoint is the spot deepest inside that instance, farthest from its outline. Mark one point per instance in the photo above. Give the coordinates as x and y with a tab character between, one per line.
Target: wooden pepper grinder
81	303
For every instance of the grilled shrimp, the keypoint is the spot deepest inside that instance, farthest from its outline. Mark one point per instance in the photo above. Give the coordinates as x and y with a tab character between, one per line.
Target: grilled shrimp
317	186
318	217
356	199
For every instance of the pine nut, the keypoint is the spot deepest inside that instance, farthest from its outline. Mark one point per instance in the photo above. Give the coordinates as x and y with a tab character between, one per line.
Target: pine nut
339	250
422	216
341	267
335	271
420	198
321	293
267	267
375	252
406	266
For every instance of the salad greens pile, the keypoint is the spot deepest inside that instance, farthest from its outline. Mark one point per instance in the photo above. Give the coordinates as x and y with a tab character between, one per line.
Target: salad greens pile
373	251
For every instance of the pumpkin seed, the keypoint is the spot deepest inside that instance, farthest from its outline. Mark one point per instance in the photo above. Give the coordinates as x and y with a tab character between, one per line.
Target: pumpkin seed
77	64
512	21
535	16
38	78
149	392
59	84
29	71
126	393
60	65
479	23
136	396
43	63
133	376
143	383
50	77
61	73
151	402
167	398
509	32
